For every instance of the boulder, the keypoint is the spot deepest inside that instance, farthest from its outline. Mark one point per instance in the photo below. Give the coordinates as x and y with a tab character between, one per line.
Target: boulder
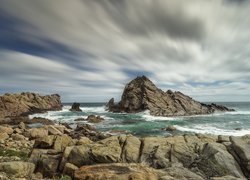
48	164
83	140
17	169
45	142
106	151
131	149
94	119
215	160
17	137
22	125
61	142
52	130
69	169
3	136
170	128
13	105
35	133
241	148
141	94
80	155
6	129
65	156
86	130
75	107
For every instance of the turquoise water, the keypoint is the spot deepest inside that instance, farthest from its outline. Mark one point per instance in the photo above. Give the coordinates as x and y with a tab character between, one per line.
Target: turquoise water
143	124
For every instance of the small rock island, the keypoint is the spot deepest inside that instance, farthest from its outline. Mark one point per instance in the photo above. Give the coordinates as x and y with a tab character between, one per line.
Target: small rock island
141	94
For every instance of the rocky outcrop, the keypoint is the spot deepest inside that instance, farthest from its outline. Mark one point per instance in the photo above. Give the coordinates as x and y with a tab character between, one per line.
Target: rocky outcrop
141	94
13	105
75	107
130	157
83	153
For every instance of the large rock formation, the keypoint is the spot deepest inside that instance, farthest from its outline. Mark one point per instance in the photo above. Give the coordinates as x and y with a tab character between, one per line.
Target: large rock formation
13	105
141	94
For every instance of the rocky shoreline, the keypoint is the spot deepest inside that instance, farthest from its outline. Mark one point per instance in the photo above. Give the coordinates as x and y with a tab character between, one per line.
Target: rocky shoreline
56	151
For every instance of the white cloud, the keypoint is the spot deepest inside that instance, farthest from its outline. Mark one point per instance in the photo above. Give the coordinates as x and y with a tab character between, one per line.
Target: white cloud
178	43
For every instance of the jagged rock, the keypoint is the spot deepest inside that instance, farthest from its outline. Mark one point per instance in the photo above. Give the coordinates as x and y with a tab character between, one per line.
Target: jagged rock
37	133
170	128
48	164
84	140
118	171
131	149
65	157
13	105
80	155
45	142
241	148
17	137
75	107
52	130
6	129
22	126
69	169
106	151
141	94
94	119
3	136
215	160
87	131
17	169
62	141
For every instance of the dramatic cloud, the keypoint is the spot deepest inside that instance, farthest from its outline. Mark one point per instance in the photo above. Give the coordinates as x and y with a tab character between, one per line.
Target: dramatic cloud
86	50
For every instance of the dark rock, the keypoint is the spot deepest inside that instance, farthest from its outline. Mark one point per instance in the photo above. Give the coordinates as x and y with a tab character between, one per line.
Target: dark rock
141	94
80	119
75	107
94	119
170	128
237	129
27	120
87	131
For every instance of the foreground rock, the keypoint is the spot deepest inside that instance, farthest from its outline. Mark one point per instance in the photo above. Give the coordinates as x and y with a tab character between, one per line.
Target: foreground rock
75	107
85	153
13	105
17	169
141	94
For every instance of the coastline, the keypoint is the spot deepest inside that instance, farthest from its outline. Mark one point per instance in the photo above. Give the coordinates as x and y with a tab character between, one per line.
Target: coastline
57	151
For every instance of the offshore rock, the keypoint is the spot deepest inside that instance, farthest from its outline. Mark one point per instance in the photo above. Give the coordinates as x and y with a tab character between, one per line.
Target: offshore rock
13	105
141	94
75	107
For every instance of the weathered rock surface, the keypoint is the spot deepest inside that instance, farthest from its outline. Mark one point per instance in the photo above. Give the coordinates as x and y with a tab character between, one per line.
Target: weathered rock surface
17	169
75	107
94	119
87	131
86	156
141	94
118	171
13	105
241	148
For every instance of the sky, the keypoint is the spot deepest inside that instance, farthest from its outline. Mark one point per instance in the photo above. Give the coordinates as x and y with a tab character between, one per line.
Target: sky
87	50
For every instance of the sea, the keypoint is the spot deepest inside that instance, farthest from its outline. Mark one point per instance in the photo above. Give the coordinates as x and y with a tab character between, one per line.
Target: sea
143	124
